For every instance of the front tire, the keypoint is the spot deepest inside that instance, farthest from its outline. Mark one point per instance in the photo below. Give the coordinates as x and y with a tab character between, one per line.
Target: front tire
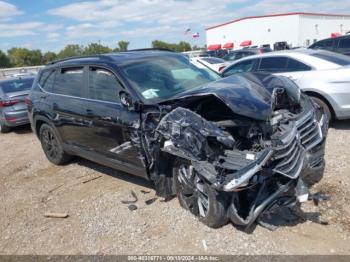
197	196
52	146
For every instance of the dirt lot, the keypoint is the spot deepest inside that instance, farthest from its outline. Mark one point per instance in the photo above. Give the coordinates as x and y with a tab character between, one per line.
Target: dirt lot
99	223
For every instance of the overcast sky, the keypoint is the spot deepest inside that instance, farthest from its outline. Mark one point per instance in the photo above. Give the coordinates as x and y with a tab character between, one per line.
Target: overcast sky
52	24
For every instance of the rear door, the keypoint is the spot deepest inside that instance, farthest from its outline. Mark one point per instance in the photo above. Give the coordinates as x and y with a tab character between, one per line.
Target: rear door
114	129
69	106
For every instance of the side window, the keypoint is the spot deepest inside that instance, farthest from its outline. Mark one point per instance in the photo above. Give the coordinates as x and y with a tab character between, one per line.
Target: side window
47	80
70	81
103	85
324	44
273	64
295	65
344	43
241	67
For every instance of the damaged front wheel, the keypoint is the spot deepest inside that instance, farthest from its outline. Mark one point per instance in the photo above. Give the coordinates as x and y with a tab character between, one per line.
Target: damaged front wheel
196	195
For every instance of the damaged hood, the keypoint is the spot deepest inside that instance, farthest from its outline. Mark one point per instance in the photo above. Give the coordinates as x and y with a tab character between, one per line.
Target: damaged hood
245	94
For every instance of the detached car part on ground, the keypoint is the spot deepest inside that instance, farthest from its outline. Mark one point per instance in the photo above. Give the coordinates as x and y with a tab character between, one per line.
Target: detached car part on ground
237	149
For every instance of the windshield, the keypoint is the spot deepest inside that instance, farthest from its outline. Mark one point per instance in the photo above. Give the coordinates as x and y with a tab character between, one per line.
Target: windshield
160	78
17	85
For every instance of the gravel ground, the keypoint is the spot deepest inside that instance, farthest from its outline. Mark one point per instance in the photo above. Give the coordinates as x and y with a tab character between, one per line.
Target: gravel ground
99	223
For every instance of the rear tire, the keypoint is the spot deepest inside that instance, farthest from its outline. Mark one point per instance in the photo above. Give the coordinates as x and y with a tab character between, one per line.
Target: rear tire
4	129
52	146
324	106
197	196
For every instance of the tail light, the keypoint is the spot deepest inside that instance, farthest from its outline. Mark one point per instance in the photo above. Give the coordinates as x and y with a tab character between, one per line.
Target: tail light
28	101
5	103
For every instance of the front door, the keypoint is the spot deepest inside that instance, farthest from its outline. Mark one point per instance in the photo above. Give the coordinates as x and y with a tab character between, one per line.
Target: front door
114	129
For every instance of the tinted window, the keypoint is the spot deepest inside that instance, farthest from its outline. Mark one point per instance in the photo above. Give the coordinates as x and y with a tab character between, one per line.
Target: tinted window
70	81
324	44
16	85
47	80
273	64
295	65
241	67
344	43
103	85
333	58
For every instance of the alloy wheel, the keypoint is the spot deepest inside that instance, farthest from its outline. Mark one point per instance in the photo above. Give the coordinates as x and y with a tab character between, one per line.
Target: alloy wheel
193	190
50	143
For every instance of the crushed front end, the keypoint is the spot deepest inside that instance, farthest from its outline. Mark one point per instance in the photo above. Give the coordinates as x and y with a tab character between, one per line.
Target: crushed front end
255	166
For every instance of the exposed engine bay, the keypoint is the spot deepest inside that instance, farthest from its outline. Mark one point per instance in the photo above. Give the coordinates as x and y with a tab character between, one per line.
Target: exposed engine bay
238	150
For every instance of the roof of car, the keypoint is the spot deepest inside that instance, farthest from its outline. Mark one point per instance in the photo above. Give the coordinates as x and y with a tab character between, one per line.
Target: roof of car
292	52
116	58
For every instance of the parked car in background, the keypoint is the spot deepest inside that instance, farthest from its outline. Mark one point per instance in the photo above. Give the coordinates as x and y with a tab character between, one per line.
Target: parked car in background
13	110
213	63
210	141
217	53
197	53
323	75
340	44
238	54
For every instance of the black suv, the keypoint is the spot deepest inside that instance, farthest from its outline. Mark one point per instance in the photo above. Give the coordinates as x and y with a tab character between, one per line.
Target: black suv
229	148
339	44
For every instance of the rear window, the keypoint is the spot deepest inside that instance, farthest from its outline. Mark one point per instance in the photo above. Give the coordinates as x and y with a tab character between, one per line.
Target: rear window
213	60
16	85
335	58
294	65
273	64
329	43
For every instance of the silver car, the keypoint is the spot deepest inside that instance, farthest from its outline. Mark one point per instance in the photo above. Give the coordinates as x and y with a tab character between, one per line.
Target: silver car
13	110
323	75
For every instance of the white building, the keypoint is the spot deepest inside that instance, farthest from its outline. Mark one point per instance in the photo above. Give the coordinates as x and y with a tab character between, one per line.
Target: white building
297	29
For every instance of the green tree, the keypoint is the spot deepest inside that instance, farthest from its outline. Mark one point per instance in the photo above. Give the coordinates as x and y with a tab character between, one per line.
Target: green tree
24	57
180	47
195	48
95	48
123	45
4	60
49	57
70	50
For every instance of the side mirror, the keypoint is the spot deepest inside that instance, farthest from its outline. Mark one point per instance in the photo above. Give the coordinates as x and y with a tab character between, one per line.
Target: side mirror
127	101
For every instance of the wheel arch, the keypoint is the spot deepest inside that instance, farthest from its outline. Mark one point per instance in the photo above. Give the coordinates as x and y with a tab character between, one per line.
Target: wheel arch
38	122
324	99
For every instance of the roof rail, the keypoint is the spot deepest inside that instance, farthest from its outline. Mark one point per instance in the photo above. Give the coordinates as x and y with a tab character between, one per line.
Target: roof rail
150	49
79	57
